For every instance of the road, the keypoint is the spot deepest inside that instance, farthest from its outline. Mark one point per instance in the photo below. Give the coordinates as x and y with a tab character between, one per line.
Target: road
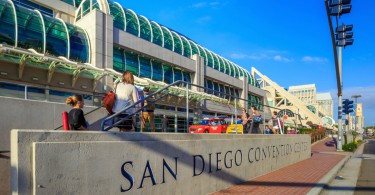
366	179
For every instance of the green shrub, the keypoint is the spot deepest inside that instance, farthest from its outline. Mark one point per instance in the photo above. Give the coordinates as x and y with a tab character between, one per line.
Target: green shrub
349	147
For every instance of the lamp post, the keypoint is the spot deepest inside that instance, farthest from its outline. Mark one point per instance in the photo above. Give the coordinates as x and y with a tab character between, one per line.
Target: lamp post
336	8
355	124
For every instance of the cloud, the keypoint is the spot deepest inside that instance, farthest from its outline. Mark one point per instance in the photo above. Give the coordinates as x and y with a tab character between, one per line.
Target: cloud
203	4
281	59
367	100
247	56
200	5
204	20
314	59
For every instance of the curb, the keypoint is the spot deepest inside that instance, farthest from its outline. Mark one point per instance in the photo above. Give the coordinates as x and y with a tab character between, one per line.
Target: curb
322	183
327	179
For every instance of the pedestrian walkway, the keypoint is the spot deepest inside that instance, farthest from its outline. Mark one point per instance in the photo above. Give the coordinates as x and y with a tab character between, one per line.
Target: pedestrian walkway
298	178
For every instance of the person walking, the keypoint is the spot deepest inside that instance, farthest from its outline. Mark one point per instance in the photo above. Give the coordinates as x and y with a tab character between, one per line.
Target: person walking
254	129
147	111
164	124
244	118
76	118
275	123
126	95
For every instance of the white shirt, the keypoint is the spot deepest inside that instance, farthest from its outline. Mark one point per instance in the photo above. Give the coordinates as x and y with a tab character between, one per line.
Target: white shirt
126	95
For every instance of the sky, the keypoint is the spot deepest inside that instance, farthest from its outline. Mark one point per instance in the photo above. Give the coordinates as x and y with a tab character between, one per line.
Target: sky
288	41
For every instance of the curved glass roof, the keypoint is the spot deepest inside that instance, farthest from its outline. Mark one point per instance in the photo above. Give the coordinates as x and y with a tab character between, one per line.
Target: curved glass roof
57	37
145	28
118	15
127	20
29	29
8	23
157	32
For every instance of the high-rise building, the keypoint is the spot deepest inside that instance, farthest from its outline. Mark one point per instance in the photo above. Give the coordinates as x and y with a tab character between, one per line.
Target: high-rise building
325	103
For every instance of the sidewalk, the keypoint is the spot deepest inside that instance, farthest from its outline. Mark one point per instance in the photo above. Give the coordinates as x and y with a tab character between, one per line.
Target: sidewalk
308	176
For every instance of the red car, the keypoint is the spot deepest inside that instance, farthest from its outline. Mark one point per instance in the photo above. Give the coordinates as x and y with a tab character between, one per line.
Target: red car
213	125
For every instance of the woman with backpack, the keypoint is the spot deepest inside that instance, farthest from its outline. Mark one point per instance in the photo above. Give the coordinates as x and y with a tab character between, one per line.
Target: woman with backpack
255	119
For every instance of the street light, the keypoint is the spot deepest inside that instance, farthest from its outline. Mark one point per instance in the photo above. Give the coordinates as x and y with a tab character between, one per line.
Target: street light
337	8
355	124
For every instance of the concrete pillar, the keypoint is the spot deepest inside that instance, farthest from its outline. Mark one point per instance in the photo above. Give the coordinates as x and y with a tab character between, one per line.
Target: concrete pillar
244	93
99	27
199	72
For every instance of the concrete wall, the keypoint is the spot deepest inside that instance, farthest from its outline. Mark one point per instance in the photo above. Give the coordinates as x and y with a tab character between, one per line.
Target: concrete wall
58	162
18	113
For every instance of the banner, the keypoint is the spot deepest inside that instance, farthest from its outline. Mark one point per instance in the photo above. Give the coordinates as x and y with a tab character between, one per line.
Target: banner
358	111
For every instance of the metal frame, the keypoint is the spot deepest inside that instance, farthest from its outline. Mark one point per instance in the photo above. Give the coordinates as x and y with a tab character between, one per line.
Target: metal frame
170	33
161	30
182	44
151	32
15	23
67	36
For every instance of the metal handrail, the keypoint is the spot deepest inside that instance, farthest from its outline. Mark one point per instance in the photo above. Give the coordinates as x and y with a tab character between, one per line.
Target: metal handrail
152	102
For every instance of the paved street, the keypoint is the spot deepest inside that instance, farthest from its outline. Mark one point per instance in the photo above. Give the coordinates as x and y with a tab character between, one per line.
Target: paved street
299	178
366	179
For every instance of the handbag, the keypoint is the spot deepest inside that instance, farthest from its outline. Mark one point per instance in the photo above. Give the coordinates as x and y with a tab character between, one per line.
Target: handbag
257	119
109	101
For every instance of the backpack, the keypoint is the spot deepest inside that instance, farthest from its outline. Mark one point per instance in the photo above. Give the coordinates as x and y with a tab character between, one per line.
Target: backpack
257	119
109	101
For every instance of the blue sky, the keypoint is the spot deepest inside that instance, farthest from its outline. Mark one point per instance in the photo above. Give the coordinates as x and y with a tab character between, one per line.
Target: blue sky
289	41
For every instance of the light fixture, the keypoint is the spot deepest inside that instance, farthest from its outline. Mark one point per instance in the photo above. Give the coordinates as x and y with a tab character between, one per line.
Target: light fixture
35	79
84	87
61	83
3	73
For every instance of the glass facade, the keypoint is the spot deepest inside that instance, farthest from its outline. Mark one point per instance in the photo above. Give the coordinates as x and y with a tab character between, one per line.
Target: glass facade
147	68
7	23
56	37
126	19
256	101
30	29
79	44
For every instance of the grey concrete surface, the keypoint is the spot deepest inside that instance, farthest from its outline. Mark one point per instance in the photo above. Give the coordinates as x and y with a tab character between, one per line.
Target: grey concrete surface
49	162
344	183
4	173
366	179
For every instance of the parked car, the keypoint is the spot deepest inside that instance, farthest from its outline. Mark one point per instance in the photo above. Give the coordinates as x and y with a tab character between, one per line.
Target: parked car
212	125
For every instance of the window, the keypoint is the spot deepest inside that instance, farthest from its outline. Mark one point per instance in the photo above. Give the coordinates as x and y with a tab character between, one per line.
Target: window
132	62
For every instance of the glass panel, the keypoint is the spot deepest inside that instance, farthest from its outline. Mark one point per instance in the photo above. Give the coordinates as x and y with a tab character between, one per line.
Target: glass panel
187	76
236	93
209	57
168	43
227	68
79	44
232	92
177	74
227	91
168	74
30	29
85	7
203	54
34	93
145	67
157	71
194	48
216	61
7	25
118	59
157	35
145	29
187	52
70	2
216	88
210	85
177	43
12	90
78	2
56	37
30	5
132	62
118	15
222	90
131	23
232	70
222	65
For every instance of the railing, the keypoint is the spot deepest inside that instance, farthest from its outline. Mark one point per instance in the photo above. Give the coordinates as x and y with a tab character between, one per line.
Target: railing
160	91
